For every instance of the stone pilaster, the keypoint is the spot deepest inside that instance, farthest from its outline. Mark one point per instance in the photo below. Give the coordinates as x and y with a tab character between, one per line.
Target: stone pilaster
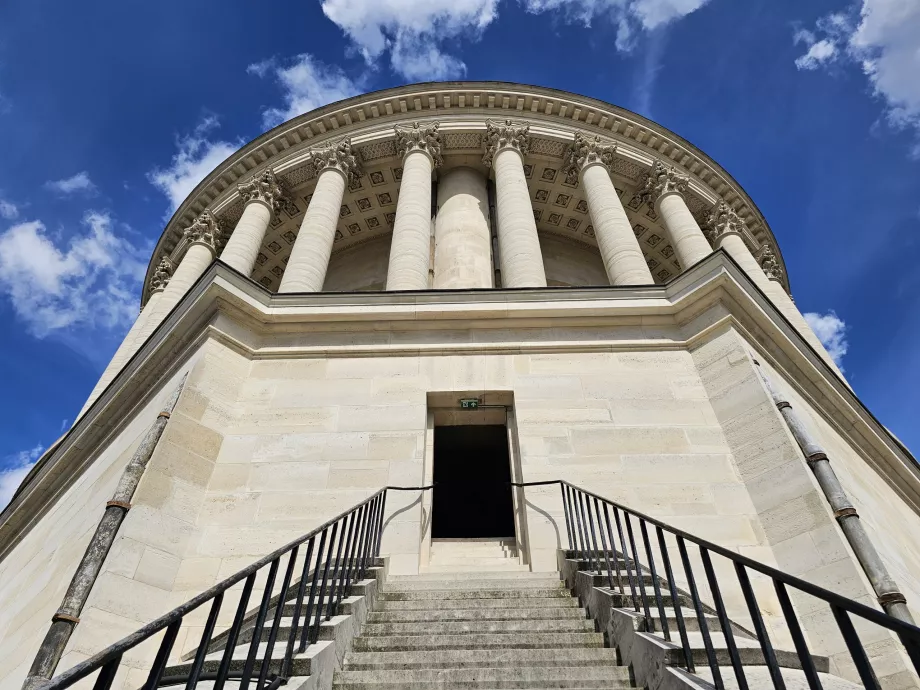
410	249
620	251
519	247
261	194
335	166
667	189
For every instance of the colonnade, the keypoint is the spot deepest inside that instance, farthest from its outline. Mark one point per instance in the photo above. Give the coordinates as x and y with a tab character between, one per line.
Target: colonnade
462	229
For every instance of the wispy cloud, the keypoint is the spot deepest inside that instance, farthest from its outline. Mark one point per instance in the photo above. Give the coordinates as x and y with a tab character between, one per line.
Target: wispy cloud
306	84
881	37
831	331
90	281
15	469
8	210
77	184
197	155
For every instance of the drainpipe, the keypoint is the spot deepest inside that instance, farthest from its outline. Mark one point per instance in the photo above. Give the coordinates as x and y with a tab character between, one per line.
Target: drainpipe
889	596
68	615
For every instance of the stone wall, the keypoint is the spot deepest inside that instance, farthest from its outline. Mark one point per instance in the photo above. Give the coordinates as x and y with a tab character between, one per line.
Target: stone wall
363	267
571	264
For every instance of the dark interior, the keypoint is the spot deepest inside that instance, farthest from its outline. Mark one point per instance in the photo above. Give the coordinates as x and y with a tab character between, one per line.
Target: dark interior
472	472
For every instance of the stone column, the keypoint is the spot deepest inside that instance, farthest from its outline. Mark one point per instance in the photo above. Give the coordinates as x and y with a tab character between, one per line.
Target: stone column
620	250
309	260
410	248
519	247
462	234
667	188
261	195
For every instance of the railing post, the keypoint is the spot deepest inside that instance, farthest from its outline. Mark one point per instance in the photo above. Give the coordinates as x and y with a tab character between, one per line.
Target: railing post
380	520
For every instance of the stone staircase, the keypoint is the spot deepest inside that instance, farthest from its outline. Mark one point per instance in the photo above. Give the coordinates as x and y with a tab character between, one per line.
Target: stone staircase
489	629
474	555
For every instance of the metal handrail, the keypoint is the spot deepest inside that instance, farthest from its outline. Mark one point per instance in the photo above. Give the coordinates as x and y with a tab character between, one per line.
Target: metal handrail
364	525
583	525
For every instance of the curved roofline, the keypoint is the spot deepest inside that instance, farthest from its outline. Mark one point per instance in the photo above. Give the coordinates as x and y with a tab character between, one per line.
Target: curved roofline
405	89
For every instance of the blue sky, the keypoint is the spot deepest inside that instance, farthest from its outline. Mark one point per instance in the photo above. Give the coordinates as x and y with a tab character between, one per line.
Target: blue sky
110	112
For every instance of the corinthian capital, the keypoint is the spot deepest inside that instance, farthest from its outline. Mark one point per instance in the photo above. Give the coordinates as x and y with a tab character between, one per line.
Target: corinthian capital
721	220
419	138
664	179
589	151
161	275
263	188
205	230
770	264
505	135
338	156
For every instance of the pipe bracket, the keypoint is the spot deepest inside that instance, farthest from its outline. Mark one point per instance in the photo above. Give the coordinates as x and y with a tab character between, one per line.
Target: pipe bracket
891	598
164	414
66	617
782	405
845	512
124	505
816	457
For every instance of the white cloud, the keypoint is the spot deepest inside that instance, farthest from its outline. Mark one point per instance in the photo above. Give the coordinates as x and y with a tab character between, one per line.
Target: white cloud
882	37
72	185
17	467
90	282
307	84
197	156
8	210
831	331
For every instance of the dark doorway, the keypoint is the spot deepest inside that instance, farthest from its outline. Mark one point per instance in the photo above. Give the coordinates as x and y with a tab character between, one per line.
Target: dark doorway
472	494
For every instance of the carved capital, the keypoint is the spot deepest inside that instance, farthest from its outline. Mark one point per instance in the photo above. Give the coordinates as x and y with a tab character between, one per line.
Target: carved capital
338	156
205	230
419	138
588	150
770	264
505	135
262	188
664	179
161	275
721	220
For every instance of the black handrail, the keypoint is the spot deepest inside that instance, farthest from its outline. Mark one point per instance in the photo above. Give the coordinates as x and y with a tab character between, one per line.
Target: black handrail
349	558
623	555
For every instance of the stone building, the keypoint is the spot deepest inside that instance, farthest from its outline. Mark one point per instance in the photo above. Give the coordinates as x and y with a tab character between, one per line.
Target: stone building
470	284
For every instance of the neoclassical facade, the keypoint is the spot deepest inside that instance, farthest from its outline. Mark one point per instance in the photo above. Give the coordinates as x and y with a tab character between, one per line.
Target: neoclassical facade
326	298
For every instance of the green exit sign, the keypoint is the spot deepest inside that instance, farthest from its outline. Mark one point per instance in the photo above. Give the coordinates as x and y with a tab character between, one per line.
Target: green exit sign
469	403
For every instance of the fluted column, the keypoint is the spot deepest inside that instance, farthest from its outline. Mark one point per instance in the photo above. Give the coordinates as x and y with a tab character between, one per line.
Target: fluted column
519	246
410	249
309	260
667	189
261	195
620	250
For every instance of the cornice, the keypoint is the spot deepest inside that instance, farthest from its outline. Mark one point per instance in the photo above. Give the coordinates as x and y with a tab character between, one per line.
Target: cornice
462	106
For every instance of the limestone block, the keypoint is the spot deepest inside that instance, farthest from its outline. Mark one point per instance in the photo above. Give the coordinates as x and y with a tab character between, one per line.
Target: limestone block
154	528
157	569
282	476
229	509
395	445
196	574
599	440
381	418
297	394
547	387
177	462
229	477
358	478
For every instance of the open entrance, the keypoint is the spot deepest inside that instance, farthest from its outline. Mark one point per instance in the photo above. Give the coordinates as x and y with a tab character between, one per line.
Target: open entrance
472	471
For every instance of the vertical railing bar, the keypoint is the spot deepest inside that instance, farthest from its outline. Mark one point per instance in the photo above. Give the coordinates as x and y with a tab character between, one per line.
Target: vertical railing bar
234	632
656	584
162	657
724	621
590	514
383	508
568	519
760	629
298	608
626	559
107	674
305	635
798	638
352	569
582	554
336	565
600	529
912	646
584	519
202	650
368	534
635	551
260	623
344	566
857	653
675	601
700	615
613	549
314	636
276	623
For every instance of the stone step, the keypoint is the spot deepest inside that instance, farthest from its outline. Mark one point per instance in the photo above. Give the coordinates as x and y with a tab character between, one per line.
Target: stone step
481	658
477	627
447	594
517	640
477	614
504	677
424	604
758	678
475	575
484	582
748	651
472	567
